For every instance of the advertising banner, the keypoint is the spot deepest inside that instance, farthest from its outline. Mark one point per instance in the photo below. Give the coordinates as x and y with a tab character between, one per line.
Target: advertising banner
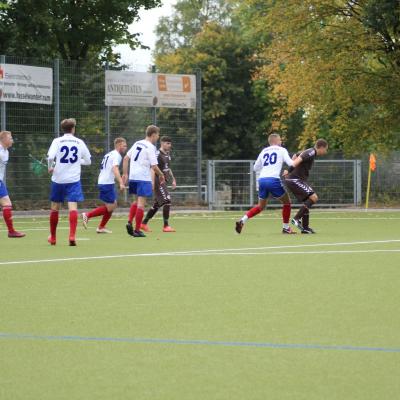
26	84
127	88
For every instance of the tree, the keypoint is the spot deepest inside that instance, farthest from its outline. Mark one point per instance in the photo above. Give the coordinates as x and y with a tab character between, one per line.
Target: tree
69	29
337	62
235	107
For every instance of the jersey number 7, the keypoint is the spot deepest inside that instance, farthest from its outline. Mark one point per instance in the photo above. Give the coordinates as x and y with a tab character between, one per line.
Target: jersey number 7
139	149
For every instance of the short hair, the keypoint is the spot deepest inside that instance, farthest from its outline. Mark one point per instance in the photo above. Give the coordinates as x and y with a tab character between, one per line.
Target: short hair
119	140
321	143
3	134
273	136
166	139
68	124
151	129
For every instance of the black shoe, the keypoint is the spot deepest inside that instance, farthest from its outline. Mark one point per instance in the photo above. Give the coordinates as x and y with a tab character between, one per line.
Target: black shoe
129	228
288	231
138	234
239	226
297	224
308	230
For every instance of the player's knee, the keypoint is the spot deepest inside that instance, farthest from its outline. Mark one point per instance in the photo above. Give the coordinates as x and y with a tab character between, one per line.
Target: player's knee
314	198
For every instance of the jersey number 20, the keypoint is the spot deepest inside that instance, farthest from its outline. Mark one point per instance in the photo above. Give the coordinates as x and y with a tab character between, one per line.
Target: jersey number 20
66	150
270	159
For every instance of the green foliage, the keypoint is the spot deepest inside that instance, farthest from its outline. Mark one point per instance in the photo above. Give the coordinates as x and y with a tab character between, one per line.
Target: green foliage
339	63
73	30
235	106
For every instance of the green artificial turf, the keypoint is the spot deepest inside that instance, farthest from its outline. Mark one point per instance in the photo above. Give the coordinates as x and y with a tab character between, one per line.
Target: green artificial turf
203	313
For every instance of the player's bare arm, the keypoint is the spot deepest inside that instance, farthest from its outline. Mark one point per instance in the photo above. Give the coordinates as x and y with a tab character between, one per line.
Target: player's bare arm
125	166
118	177
173	179
158	172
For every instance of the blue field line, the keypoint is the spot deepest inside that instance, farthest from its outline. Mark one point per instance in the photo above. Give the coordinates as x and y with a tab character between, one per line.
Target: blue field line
23	336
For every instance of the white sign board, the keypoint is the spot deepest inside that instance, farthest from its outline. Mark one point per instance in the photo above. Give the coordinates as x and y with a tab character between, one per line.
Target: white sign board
26	84
127	88
176	91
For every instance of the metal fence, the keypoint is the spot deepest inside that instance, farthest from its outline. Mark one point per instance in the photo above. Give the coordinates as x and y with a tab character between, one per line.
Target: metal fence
232	183
79	92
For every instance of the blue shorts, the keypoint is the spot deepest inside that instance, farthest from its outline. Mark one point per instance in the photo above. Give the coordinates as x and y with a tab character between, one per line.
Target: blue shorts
270	185
107	193
141	188
3	190
71	192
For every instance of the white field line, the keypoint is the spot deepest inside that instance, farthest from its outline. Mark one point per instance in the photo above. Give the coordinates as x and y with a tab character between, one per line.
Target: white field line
207	252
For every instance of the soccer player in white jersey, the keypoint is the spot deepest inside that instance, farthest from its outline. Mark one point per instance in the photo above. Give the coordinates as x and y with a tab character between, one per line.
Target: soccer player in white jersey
65	156
6	142
142	158
269	165
109	172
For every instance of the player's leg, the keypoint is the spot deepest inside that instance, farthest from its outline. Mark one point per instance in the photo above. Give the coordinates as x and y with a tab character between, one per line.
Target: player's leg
262	202
150	214
303	215
306	216
74	195
6	205
54	211
286	209
144	190
141	204
57	198
133	208
166	213
110	207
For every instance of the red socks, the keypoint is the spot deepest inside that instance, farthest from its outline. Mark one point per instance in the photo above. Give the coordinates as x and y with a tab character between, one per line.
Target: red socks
53	223
97	212
132	212
139	218
286	213
105	219
7	215
73	222
253	211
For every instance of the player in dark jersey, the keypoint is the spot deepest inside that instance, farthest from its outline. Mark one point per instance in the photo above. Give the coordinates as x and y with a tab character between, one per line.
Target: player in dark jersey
296	181
162	196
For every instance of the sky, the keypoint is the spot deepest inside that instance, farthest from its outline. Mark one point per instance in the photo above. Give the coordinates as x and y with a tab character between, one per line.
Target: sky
139	60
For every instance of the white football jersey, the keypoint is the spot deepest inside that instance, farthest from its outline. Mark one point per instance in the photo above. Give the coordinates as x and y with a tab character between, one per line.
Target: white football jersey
110	160
69	152
3	162
269	162
143	157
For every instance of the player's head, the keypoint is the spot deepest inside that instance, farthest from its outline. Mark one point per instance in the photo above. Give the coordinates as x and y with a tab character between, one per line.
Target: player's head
321	145
166	143
6	139
120	145
152	133
68	125
274	139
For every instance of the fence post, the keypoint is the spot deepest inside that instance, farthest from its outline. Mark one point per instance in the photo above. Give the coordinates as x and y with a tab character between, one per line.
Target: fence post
199	132
3	103
57	97
154	109
251	163
210	183
358	182
107	119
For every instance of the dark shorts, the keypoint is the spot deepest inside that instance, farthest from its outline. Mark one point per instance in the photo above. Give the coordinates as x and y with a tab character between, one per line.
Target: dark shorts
3	190
71	192
302	190
107	193
162	196
141	188
267	186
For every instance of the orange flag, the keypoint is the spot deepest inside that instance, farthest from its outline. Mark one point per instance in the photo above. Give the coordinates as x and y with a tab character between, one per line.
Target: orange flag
372	162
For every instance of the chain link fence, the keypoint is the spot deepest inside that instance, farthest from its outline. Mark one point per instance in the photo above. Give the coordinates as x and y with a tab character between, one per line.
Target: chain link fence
78	92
